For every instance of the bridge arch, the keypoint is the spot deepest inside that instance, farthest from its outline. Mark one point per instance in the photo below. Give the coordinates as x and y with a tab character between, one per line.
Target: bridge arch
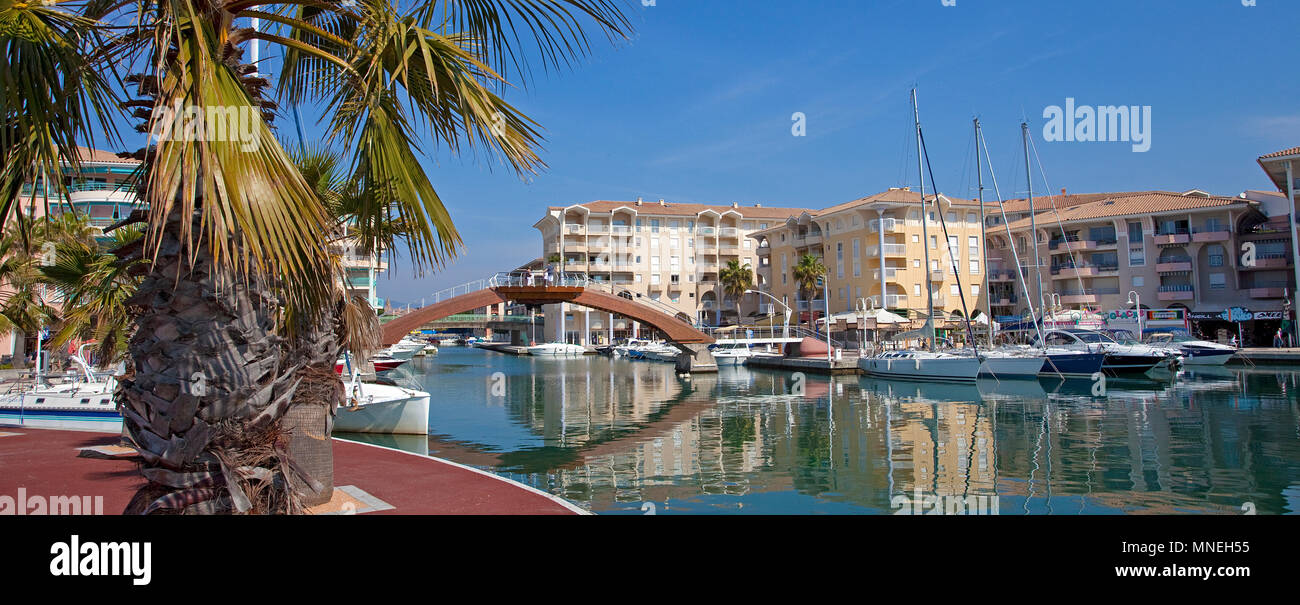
677	331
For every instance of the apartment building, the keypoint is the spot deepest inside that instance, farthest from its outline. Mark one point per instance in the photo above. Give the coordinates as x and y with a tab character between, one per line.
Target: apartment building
1193	251
874	250
668	254
101	189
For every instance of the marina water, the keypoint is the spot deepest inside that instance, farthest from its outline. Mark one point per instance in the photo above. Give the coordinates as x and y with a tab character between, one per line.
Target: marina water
621	436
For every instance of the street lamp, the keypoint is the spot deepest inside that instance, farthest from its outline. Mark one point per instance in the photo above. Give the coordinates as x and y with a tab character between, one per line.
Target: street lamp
785	330
1136	299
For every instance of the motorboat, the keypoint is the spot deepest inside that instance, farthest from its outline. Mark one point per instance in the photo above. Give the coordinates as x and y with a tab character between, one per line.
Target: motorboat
1195	352
85	403
922	365
383	363
557	349
1120	358
732	355
382	408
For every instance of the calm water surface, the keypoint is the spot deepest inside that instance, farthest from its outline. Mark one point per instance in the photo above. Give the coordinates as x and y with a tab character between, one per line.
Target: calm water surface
614	435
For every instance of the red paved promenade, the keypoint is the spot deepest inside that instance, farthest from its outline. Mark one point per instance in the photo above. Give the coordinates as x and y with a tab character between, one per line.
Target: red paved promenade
371	480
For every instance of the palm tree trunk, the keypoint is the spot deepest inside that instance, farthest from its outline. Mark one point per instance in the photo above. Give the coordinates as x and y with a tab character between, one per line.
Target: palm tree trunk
209	388
310	419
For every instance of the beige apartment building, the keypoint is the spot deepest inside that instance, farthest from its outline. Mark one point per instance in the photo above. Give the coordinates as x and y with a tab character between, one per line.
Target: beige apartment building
1191	250
874	250
665	254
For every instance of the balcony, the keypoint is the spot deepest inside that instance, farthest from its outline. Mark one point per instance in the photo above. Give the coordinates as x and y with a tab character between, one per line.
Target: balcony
572	248
729	250
707	250
807	240
1078	299
892	301
600	245
1172	238
1001	275
729	232
674	286
1267	292
1076	244
1217	234
1177	292
1003	300
1174	264
890	225
936	275
891	274
764	250
708	283
575	229
891	250
620	231
707	231
1270	261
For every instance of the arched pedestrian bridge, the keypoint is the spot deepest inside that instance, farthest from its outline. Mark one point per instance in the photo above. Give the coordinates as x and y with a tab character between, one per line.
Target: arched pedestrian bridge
519	288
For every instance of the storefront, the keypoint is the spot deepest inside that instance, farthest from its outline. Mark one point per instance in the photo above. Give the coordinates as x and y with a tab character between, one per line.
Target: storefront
1252	328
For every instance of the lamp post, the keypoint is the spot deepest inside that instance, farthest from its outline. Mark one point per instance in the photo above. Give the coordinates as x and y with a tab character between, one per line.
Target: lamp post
785	330
1136	299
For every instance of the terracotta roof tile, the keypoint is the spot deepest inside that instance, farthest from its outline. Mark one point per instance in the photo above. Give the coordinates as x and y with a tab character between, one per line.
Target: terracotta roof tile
1135	203
87	154
683	209
1278	154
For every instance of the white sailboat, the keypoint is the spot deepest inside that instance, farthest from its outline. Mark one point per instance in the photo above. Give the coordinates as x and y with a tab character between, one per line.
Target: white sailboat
932	364
85	403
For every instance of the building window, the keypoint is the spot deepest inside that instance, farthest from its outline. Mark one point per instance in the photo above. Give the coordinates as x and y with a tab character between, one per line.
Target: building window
916	239
857	268
857	250
916	289
934	242
975	291
955	290
974	267
1215	255
1218	281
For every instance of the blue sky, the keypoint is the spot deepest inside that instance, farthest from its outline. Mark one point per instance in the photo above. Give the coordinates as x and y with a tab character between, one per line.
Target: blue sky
697	107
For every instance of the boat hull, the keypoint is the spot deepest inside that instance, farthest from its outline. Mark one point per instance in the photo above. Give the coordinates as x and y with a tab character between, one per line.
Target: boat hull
1012	367
1117	365
409	416
954	369
1073	365
1193	356
107	421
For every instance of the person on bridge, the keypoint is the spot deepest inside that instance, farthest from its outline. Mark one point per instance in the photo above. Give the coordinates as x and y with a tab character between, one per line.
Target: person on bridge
528	278
550	274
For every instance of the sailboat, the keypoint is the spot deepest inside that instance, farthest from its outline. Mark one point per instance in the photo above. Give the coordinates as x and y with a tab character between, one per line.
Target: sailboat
931	364
1052	361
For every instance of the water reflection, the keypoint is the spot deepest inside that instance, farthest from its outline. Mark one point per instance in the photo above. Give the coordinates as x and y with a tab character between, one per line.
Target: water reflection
612	434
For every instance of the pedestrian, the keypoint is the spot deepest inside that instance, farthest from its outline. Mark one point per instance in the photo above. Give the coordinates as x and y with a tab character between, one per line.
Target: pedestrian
1278	339
550	274
1233	342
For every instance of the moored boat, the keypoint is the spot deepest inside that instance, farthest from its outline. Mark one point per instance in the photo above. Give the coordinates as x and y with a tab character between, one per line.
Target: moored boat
381	408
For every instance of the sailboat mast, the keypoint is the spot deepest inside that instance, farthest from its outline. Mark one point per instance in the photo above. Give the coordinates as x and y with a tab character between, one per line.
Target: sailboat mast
979	172
1033	225
925	232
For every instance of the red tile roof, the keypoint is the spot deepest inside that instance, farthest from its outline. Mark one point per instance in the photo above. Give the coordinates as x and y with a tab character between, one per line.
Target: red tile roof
1278	154
87	154
683	209
1127	204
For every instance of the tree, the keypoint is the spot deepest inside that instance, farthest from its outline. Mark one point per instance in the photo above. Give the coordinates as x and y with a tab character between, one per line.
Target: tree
806	272
736	279
239	281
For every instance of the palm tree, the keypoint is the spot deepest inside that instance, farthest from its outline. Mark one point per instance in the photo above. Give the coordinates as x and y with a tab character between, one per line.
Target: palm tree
806	272
736	279
95	284
238	277
27	250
